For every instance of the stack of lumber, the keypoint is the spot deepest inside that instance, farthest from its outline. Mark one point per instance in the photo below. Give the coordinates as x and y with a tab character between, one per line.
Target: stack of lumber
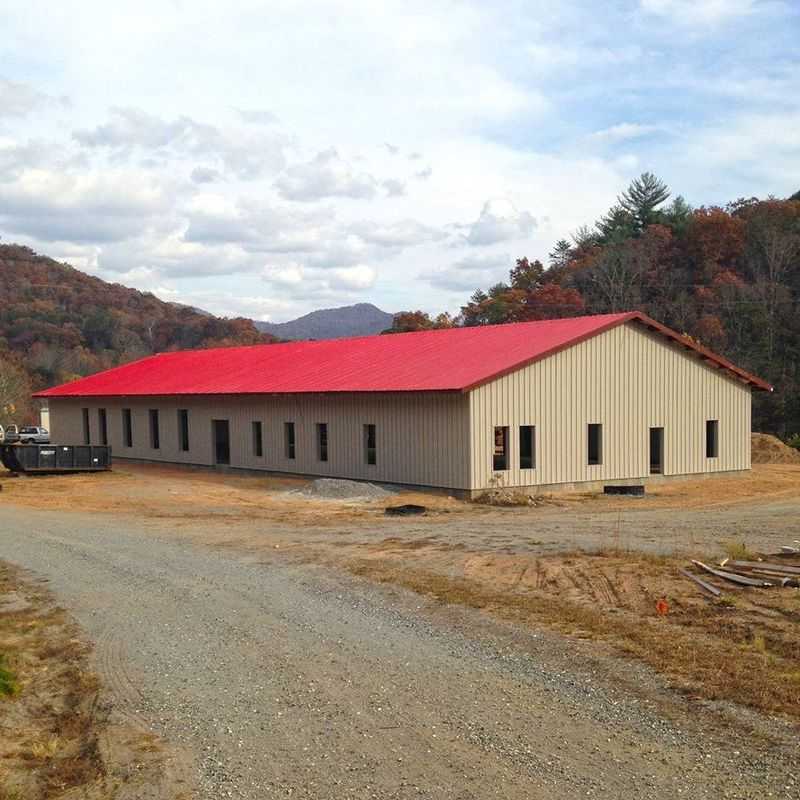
764	573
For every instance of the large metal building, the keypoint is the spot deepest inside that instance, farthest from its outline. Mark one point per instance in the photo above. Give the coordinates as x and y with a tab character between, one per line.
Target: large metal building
589	400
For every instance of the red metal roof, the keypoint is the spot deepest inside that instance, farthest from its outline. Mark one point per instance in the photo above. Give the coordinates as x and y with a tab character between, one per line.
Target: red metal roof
456	359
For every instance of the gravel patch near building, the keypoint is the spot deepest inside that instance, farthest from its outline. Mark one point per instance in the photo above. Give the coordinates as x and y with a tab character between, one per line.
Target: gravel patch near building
340	489
289	680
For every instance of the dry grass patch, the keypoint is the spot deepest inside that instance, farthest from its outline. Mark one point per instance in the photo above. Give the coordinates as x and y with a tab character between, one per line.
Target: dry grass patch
48	742
746	651
52	726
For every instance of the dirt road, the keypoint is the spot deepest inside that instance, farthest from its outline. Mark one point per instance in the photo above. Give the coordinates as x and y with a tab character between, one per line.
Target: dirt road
280	679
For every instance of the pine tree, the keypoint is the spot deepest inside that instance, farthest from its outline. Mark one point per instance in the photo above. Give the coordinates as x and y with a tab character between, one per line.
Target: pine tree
641	199
560	254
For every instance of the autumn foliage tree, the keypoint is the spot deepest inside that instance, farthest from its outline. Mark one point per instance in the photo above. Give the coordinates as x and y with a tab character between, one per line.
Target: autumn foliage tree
15	391
57	323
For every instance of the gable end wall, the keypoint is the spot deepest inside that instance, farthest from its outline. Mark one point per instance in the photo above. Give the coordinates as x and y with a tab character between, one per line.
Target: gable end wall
627	379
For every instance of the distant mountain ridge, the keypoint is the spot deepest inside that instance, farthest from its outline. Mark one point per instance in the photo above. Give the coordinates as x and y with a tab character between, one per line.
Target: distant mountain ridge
361	319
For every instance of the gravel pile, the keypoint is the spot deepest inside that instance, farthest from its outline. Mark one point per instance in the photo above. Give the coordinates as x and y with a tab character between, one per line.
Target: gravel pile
337	489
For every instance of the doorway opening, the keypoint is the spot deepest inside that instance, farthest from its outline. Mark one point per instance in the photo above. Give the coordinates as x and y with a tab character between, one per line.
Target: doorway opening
222	441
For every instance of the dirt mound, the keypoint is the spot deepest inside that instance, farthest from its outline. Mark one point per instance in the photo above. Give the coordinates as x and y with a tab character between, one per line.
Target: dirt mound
510	498
337	489
768	449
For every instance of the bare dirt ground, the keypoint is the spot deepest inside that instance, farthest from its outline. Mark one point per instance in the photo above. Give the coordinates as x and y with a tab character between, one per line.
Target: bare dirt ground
58	735
584	565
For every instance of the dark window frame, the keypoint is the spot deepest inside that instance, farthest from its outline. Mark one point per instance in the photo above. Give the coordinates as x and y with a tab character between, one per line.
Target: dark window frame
712	438
527	447
370	433
500	449
594	444
322	441
657	467
102	424
257	432
87	430
290	440
127	427
183	430
155	429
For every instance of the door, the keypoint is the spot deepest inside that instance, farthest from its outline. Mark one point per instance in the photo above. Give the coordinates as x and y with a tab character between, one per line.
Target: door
656	451
222	441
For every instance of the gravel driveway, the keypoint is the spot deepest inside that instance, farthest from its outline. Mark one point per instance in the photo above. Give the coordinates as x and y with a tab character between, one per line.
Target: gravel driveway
285	680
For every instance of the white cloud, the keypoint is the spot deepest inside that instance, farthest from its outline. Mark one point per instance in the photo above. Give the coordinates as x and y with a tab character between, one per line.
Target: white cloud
393	187
245	155
740	144
59	206
699	12
18	99
472	272
359	276
403	233
325	175
547	57
258	116
287	274
624	131
205	175
499	221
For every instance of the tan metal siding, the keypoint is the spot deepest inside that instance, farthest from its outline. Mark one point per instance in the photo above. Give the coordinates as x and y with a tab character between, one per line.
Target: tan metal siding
422	439
628	380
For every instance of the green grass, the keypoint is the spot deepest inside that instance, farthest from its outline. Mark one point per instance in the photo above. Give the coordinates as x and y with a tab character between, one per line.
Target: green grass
738	551
8	683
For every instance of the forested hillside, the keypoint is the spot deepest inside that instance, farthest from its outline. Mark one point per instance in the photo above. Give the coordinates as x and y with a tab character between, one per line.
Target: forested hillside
729	277
57	323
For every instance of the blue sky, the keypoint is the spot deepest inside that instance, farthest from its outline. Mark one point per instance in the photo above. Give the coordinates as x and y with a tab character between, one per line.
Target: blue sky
266	159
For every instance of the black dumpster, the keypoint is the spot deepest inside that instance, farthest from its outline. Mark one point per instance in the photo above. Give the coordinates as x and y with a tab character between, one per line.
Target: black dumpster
53	458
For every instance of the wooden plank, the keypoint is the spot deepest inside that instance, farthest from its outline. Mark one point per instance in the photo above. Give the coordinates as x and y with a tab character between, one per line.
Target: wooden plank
749	565
732	576
708	587
784	580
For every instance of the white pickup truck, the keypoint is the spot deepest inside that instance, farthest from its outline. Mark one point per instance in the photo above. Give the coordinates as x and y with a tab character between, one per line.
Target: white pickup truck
34	435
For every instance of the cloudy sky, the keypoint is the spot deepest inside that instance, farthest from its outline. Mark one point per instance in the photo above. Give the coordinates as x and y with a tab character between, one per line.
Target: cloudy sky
268	158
